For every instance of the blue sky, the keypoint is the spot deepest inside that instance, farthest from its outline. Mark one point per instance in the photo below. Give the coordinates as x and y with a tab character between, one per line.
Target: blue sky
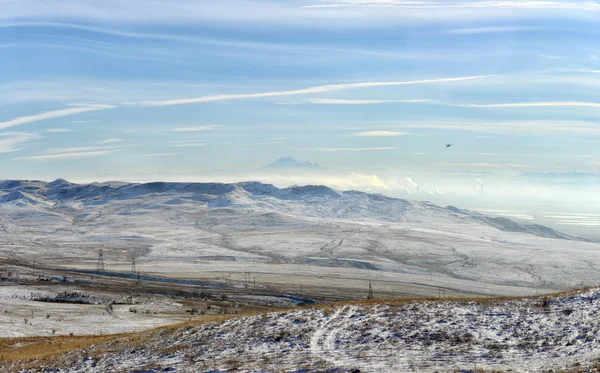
96	90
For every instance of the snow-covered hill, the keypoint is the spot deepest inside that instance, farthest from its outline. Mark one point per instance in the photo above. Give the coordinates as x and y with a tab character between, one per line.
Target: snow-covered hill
290	235
526	335
311	200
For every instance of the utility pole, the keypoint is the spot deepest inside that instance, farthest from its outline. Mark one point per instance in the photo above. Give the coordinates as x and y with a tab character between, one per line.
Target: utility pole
138	281
100	265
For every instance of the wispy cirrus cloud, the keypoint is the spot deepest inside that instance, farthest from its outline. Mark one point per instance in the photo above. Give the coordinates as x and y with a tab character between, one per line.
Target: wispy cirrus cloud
53	114
337	101
490	29
110	141
85	149
73	155
486	165
431	5
303	12
309	90
347	149
535	104
187	145
194	129
380	133
548	104
57	130
10	141
162	154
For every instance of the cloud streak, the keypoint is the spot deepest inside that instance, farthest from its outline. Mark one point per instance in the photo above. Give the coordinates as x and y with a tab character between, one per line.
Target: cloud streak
431	5
487	165
74	155
549	104
52	114
110	141
380	134
10	140
346	149
336	101
304	91
195	129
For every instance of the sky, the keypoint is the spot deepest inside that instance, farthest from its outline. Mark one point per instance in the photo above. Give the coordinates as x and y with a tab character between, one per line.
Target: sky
373	89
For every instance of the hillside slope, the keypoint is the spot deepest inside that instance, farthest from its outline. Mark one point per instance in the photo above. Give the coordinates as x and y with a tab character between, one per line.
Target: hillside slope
526	335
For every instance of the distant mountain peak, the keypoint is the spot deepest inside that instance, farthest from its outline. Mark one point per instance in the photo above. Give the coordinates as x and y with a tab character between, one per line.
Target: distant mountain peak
292	163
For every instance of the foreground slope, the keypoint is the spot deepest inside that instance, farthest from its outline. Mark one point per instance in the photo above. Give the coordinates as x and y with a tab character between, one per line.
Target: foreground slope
522	335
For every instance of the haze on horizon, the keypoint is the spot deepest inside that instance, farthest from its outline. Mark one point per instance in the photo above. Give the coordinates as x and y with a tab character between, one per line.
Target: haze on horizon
215	90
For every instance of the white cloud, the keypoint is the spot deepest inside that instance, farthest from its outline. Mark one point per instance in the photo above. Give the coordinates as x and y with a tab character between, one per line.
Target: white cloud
380	133
487	165
336	101
550	57
445	103
347	149
53	114
372	180
162	154
527	127
10	140
490	29
109	141
85	149
64	155
467	5
57	130
534	104
303	91
186	145
348	13
195	129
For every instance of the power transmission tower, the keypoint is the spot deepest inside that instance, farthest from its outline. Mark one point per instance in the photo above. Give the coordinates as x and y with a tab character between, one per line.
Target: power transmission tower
133	268
100	265
370	296
246	279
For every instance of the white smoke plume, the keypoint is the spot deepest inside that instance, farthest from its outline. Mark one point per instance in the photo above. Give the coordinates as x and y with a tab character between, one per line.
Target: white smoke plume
412	186
479	184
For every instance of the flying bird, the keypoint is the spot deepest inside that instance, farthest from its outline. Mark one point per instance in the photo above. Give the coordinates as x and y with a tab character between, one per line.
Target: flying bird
449	145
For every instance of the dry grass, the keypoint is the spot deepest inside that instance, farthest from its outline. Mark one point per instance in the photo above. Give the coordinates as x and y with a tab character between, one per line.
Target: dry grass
23	349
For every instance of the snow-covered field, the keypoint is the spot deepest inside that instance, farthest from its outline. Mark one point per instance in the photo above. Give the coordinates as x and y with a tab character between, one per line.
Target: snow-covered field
310	236
22	315
526	335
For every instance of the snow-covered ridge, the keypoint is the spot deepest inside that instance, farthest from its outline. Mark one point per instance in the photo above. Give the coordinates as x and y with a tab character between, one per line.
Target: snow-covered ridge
310	200
523	335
